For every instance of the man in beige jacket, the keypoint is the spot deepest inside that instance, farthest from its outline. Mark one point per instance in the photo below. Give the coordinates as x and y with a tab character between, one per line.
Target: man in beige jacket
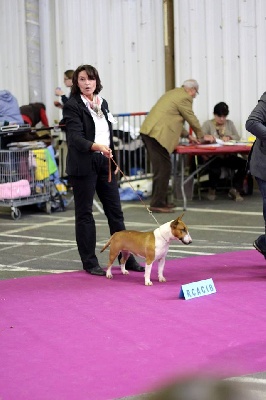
161	131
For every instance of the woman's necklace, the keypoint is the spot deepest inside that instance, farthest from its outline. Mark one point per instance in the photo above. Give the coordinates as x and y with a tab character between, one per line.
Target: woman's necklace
95	105
220	129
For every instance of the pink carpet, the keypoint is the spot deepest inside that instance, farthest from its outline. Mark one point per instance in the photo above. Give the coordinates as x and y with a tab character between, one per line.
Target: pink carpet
75	336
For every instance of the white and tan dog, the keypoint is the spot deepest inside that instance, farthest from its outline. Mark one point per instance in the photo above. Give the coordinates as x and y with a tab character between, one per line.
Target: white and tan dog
153	246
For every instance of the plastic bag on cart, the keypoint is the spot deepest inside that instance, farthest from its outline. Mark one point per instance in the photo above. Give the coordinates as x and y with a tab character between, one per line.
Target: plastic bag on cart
144	186
58	201
128	194
9	109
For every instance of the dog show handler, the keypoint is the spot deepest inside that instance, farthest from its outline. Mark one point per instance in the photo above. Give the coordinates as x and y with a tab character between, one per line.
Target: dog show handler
256	124
90	146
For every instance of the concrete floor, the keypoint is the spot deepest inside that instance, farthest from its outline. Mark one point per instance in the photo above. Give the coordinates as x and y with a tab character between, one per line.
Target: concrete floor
41	243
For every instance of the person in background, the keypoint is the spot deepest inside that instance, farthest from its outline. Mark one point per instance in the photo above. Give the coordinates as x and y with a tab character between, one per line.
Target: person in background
68	75
9	109
222	129
89	166
256	124
161	132
34	113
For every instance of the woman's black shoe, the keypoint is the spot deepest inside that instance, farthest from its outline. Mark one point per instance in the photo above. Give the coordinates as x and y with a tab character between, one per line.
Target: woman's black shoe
96	271
258	247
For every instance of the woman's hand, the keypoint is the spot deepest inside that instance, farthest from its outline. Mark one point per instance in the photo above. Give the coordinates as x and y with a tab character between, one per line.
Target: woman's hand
226	138
105	150
57	104
58	92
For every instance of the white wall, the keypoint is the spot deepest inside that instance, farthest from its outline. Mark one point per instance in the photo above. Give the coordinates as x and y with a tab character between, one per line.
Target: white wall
221	43
123	39
13	49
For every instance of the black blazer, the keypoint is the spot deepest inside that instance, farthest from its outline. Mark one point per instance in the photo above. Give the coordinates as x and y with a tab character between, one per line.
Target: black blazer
80	135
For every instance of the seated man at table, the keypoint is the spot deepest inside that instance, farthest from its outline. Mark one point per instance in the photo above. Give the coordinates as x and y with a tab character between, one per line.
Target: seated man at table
222	128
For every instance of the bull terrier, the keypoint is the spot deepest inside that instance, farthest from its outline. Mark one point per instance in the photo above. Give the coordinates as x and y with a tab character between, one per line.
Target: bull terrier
152	245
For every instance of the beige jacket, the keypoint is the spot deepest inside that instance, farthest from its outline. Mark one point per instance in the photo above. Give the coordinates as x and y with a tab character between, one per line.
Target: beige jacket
165	121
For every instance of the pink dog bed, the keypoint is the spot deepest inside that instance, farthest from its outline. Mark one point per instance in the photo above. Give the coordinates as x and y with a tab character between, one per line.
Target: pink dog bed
14	190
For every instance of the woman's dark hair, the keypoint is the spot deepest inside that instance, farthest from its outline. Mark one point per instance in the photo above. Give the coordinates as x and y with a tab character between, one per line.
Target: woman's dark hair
221	109
92	74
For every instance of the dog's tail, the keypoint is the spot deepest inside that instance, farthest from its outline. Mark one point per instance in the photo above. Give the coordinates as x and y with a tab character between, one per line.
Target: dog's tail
107	244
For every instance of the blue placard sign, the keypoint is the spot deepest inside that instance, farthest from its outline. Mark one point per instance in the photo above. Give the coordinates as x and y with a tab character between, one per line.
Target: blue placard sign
197	289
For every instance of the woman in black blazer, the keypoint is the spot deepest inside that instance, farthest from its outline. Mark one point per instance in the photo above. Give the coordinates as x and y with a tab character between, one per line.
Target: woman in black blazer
90	145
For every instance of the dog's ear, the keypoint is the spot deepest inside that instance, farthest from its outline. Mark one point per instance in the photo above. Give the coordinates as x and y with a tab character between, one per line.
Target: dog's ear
180	216
176	221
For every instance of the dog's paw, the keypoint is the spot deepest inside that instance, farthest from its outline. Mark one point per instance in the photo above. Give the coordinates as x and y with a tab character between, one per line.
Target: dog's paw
148	283
109	275
124	271
162	279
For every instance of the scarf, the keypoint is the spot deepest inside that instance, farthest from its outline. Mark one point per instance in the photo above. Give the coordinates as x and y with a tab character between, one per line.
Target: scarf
220	129
95	105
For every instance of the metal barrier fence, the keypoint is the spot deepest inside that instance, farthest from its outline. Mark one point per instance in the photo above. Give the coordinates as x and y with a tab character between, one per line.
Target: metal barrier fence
130	150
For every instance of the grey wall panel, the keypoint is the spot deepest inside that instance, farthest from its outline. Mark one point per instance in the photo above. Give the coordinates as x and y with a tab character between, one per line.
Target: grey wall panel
221	44
13	49
218	42
123	39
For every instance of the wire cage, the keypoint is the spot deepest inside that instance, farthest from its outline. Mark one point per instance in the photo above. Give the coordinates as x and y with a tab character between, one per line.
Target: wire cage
24	179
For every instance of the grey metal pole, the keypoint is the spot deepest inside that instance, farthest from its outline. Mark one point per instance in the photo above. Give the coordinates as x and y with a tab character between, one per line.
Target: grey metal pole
33	50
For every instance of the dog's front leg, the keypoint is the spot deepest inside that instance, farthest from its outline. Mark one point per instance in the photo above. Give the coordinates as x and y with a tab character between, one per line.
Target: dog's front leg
147	274
109	272
161	263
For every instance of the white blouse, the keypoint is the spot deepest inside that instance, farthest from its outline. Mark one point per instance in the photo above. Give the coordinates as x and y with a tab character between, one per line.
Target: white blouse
102	133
